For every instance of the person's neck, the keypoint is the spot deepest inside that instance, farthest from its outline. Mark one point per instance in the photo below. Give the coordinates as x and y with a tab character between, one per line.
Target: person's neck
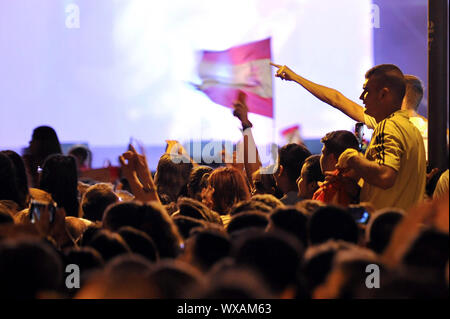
381	117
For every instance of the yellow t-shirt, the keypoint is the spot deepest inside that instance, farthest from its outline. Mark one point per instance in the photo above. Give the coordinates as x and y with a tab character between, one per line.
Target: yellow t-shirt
397	143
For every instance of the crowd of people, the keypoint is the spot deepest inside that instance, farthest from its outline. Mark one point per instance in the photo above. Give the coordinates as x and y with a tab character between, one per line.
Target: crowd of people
340	224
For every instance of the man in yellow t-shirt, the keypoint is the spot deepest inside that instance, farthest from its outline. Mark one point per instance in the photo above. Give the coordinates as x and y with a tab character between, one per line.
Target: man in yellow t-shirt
394	169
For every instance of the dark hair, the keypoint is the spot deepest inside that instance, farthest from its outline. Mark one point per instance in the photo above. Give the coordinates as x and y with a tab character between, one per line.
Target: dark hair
268	199
186	224
250	205
193	208
276	256
332	222
28	267
21	176
109	244
60	179
95	200
337	142
172	176
48	142
291	157
8	180
380	228
292	221
248	219
208	247
391	77
151	218
139	243
312	169
174	278
87	258
194	186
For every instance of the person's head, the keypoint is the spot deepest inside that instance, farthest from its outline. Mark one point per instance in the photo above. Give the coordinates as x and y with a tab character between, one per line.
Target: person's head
192	208
59	177
28	267
332	222
349	275
21	176
44	142
109	244
95	200
276	256
87	258
264	182
174	278
194	186
414	93
269	200
151	218
310	175
186	224
227	186
334	144
6	216
380	228
247	220
140	243
82	156
290	161
8	180
383	91
290	220
318	261
250	205
206	248
172	176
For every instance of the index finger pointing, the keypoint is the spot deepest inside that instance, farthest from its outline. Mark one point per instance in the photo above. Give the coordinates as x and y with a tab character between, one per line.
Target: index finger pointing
275	65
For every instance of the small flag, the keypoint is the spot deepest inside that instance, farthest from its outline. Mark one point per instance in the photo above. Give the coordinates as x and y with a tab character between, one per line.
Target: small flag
241	68
292	135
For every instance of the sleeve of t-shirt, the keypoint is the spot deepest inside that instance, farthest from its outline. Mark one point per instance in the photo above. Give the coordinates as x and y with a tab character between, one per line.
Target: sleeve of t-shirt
370	121
390	148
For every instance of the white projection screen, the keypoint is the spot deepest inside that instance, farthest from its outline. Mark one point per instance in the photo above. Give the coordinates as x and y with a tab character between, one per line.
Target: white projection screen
100	72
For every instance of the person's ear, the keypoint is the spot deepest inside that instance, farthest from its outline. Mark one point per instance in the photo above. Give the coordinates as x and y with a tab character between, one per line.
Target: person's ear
280	171
384	92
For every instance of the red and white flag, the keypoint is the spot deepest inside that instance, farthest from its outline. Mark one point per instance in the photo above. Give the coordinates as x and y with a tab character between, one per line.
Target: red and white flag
241	68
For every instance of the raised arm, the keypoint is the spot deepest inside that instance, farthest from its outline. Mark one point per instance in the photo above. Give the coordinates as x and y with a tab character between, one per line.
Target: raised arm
328	95
251	157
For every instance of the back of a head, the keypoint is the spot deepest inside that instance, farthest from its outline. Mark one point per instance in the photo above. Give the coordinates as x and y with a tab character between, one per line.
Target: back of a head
269	200
21	176
250	205
429	250
391	77
109	244
337	142
192	208
87	258
247	220
174	278
96	199
186	224
331	222
172	175
28	267
151	218
313	170
194	186
139	243
292	221
8	180
208	247
414	92
380	228
318	261
47	142
276	256
230	187
60	178
291	157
